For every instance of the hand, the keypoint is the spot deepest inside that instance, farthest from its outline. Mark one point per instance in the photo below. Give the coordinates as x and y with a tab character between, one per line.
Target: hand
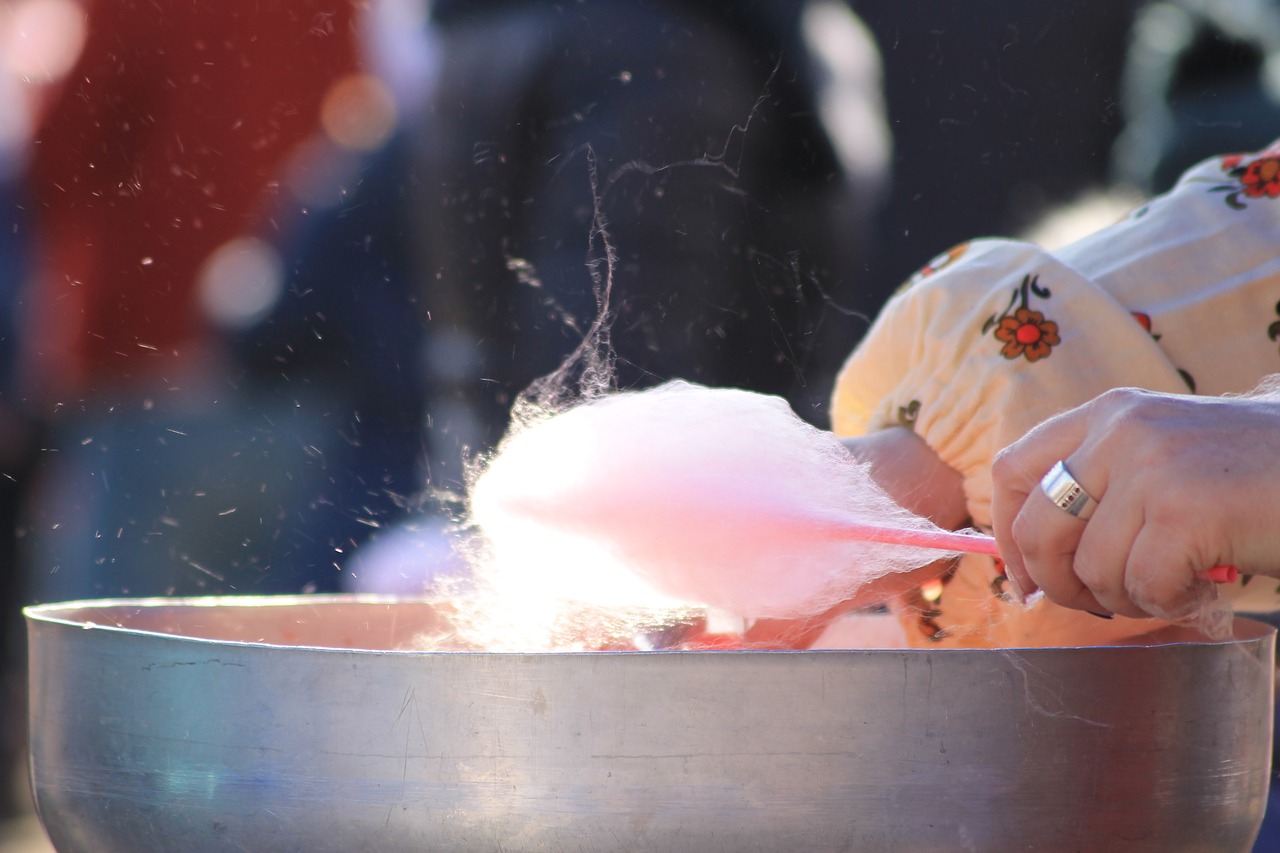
1182	483
917	479
913	474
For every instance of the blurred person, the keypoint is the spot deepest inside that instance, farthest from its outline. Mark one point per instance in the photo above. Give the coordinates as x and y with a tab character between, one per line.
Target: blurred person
1198	79
714	162
18	440
693	134
30	66
344	338
1002	111
160	153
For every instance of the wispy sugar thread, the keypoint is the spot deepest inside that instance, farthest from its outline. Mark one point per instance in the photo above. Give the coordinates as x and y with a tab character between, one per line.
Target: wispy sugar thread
574	526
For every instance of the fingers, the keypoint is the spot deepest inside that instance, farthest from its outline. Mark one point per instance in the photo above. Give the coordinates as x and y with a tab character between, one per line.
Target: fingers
1161	575
1026	523
1171	476
1044	536
1100	560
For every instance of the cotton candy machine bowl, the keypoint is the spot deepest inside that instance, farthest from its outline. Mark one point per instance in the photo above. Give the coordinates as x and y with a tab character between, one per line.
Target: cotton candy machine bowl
312	724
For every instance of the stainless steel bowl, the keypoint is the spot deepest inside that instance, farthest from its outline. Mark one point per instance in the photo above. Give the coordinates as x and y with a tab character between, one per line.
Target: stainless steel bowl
310	724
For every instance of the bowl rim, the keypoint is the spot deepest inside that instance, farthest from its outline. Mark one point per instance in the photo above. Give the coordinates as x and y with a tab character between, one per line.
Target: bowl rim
1246	629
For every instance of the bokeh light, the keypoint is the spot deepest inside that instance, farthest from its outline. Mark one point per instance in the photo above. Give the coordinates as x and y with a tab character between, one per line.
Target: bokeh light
41	39
240	282
358	112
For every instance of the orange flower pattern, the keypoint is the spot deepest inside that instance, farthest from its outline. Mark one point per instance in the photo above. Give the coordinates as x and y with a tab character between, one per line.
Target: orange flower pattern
1258	178
1027	333
1024	332
1262	178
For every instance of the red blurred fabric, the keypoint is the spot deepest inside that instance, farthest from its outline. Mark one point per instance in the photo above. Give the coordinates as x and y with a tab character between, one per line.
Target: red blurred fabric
165	141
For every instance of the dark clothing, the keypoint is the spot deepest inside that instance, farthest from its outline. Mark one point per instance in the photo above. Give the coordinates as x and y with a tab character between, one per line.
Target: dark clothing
721	194
769	26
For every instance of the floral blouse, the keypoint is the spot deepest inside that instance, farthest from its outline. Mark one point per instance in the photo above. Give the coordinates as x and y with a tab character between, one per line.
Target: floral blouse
994	336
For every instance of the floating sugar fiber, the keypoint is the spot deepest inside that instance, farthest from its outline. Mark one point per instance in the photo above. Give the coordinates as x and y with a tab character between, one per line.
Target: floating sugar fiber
689	494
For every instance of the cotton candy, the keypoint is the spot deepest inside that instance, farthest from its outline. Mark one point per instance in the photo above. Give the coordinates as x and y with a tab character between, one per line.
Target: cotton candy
711	497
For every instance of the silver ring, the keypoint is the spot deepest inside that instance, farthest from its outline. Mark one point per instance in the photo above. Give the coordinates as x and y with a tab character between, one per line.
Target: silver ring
1061	488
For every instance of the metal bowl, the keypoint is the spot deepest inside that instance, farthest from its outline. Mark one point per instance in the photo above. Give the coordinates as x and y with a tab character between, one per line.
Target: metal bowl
310	724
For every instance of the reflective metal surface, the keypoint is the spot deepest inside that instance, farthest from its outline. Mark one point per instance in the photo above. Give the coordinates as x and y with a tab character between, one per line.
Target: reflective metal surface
304	724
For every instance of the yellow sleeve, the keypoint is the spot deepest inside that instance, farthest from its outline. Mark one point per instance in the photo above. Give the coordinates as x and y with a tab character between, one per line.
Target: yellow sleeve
976	351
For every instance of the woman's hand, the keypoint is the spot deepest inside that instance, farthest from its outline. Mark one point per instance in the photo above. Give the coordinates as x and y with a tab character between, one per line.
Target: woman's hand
917	479
1182	483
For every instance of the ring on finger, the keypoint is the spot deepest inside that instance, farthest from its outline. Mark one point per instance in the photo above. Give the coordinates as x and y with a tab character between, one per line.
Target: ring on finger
1068	495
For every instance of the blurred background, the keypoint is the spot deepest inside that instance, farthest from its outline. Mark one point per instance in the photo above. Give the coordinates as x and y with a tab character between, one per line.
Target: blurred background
271	273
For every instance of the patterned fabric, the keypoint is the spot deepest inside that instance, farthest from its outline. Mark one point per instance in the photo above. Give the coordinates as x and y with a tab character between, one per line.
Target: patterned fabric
994	336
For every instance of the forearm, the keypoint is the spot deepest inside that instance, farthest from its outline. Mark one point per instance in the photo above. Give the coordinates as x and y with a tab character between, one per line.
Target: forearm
904	465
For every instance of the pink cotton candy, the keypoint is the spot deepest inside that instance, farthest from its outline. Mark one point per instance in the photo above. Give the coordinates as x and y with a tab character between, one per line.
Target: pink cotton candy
707	496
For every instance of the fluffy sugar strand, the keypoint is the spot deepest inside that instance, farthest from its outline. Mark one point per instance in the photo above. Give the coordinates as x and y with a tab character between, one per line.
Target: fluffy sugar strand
685	495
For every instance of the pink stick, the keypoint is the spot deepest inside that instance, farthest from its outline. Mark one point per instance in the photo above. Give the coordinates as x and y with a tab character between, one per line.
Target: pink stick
1220	574
973	543
943	540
